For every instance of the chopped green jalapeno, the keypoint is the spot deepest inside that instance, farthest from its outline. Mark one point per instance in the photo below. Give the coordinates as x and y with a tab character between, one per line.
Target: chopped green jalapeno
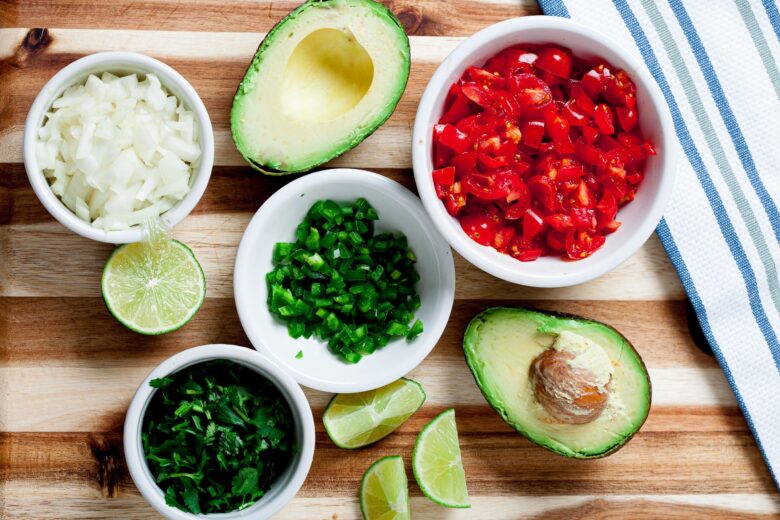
343	283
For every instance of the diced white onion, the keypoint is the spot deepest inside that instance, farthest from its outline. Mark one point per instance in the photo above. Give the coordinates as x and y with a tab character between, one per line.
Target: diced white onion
118	150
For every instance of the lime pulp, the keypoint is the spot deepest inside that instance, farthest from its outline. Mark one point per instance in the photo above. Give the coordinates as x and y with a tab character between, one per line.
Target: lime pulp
153	288
360	419
437	464
384	492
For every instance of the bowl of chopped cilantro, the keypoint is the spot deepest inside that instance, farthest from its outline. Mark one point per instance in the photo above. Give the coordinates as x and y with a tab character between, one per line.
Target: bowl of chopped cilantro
218	431
342	279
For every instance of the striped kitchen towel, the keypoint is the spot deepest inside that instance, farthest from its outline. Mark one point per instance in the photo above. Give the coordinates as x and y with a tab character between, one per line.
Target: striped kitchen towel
717	65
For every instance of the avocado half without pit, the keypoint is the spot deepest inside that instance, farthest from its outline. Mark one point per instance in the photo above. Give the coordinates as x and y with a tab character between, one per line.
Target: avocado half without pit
323	79
574	386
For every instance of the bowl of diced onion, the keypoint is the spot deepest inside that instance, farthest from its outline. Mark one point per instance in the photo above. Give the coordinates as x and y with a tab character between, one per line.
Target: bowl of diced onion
116	139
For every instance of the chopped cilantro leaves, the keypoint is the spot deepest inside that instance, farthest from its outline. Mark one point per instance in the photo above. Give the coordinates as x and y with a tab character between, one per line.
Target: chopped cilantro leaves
216	435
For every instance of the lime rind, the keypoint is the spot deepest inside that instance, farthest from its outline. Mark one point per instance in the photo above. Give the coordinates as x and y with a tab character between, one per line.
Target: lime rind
437	464
384	490
180	288
357	420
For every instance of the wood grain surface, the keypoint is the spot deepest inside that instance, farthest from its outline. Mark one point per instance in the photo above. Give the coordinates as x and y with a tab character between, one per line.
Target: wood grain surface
68	370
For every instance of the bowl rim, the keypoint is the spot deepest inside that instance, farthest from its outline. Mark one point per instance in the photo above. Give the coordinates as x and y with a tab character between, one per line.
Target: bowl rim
108	61
445	283
299	406
459	59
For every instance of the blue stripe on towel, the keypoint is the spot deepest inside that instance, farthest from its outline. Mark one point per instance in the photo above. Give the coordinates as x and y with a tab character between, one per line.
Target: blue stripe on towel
727	114
554	8
726	227
774	16
701	312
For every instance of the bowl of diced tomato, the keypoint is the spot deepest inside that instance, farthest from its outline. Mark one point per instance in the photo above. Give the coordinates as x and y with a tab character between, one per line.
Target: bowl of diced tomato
544	151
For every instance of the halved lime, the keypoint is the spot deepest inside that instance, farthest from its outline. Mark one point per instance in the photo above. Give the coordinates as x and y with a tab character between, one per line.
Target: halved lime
384	492
356	420
153	288
436	462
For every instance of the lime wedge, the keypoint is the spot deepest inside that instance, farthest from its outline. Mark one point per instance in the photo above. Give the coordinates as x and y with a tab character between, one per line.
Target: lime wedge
153	288
384	493
356	420
436	462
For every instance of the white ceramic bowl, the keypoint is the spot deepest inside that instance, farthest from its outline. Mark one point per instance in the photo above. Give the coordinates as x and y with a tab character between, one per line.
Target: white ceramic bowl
286	485
276	220
116	62
639	218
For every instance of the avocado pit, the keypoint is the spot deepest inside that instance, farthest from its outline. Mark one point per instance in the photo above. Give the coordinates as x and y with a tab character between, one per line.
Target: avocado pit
571	379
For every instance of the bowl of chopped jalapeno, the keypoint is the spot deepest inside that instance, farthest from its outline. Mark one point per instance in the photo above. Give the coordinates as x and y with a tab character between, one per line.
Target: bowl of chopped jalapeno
342	279
218	430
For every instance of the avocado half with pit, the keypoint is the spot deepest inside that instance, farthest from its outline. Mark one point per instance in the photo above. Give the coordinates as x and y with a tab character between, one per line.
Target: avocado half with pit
323	79
574	386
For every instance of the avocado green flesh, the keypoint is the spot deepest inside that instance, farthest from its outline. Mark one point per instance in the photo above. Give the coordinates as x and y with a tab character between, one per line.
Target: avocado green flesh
324	78
500	345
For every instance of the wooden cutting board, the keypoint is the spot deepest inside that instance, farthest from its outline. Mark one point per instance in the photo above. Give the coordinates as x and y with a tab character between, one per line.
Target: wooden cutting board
68	370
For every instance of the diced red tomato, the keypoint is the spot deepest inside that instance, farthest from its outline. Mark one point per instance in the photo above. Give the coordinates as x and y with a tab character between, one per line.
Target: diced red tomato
558	130
607	143
555	83
452	138
629	139
570	170
453	197
627	118
537	150
607	206
489	144
584	101
604	120
556	61
533	132
486	77
543	191
503	238
489	162
444	176
556	241
505	105
583	219
591	83
458	108
481	228
559	222
582	244
611	227
532	225
464	163
572	112
589	134
487	186
587	153
518	61
515	211
529	255
480	94
584	196
533	95
496	64
518	192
